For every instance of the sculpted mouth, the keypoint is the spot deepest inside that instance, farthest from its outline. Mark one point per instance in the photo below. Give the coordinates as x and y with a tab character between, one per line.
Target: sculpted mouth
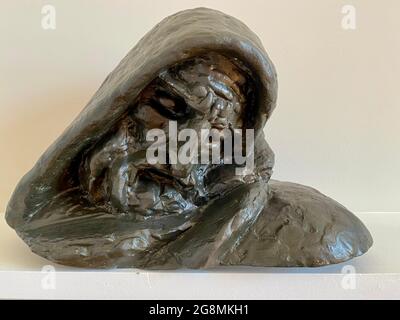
219	123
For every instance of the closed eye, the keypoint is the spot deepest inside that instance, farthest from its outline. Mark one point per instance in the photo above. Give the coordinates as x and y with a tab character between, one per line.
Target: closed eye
170	107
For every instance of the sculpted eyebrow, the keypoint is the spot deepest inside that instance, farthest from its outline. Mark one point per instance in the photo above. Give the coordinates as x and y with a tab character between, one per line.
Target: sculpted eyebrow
177	88
175	85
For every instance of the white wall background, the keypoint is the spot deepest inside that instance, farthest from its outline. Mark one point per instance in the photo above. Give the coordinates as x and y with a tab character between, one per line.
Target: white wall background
336	126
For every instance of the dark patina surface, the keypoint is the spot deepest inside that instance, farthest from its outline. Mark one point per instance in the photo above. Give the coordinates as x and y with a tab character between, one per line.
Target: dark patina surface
92	199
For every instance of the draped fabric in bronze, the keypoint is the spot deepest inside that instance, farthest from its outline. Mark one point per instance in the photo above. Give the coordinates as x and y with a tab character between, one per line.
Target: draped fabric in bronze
92	201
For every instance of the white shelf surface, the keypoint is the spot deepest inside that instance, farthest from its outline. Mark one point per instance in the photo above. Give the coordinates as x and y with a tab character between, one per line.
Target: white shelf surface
375	275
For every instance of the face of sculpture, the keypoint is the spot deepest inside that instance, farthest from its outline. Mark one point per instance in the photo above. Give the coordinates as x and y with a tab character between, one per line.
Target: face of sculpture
207	92
207	89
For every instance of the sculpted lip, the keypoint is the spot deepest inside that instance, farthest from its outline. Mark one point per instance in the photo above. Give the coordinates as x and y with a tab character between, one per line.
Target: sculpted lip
219	125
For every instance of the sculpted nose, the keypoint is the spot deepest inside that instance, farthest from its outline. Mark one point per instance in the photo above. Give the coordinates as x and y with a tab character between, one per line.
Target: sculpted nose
218	114
213	113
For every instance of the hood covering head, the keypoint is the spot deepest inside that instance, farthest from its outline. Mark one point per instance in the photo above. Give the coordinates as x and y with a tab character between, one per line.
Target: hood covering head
181	36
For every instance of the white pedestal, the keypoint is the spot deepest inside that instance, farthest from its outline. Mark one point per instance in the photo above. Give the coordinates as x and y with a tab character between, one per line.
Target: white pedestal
376	275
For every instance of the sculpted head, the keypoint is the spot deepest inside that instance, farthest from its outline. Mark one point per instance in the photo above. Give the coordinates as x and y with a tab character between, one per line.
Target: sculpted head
208	92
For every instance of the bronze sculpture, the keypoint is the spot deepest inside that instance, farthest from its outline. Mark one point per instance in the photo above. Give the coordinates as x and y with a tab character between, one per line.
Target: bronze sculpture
94	200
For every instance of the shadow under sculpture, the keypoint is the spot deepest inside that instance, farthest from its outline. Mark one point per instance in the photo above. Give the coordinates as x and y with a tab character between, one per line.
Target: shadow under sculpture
92	200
